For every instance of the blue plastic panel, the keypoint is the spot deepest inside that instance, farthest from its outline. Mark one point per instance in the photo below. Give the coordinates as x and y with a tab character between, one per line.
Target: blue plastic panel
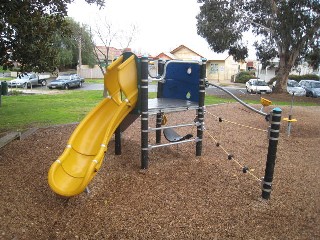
182	81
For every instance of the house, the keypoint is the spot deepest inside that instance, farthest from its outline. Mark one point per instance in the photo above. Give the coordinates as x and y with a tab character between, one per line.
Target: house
102	52
220	67
165	56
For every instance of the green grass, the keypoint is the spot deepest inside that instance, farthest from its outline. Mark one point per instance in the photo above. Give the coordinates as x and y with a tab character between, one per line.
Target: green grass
94	80
19	112
23	111
6	79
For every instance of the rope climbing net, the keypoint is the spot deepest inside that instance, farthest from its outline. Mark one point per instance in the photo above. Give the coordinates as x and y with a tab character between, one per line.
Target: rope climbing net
238	161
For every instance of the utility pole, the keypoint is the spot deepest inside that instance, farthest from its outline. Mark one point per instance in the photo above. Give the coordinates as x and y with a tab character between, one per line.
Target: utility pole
79	48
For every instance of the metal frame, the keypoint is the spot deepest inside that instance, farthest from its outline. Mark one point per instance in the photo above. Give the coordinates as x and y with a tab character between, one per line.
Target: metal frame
145	129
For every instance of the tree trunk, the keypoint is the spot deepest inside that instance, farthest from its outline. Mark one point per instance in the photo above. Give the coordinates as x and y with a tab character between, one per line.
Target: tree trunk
286	63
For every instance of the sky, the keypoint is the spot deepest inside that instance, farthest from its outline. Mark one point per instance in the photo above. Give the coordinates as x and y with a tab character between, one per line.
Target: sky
162	25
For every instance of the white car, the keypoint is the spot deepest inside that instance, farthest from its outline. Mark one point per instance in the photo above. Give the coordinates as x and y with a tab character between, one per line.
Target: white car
25	80
257	86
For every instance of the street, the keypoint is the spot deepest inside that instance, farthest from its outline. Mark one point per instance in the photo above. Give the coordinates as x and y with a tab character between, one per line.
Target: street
152	88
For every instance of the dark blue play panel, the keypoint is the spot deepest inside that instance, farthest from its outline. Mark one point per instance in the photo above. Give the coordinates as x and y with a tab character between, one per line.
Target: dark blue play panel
182	81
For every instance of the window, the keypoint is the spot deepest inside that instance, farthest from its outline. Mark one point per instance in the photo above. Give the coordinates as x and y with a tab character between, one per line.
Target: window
214	67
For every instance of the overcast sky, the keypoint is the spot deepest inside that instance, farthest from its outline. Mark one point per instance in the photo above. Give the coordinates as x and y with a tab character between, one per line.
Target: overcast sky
162	25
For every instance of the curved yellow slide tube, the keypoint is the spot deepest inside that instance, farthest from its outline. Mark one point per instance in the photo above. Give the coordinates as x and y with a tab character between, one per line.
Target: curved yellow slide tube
70	174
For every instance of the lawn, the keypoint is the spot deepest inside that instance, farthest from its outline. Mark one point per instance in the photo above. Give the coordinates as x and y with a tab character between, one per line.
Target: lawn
19	112
22	111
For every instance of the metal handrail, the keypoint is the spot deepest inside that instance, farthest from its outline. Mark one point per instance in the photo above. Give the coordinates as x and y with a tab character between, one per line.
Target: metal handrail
239	100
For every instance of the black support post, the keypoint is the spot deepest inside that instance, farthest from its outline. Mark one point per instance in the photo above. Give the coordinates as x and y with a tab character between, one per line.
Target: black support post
161	64
201	107
159	95
144	113
272	152
117	137
158	124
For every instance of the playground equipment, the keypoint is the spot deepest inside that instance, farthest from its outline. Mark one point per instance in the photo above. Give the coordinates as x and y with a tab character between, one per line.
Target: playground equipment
265	103
274	117
70	174
181	87
289	119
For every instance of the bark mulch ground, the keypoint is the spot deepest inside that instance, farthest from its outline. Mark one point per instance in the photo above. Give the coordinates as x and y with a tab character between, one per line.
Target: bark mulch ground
180	196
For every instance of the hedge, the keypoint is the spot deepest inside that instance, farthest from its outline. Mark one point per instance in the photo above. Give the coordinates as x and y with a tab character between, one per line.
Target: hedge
244	76
304	77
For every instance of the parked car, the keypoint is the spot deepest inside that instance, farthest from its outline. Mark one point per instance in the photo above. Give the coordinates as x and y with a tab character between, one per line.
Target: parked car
294	87
77	76
257	86
66	81
25	80
312	87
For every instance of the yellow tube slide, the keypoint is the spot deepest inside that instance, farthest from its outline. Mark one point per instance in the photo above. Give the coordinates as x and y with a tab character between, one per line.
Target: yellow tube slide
70	174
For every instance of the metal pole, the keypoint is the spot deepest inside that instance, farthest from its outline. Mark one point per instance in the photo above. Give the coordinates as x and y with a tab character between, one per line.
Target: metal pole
0	92
117	136
290	116
159	95
201	107
158	125
239	100
272	152
144	113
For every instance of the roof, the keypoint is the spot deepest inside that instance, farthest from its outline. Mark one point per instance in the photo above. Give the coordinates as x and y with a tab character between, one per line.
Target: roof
207	54
166	55
183	46
213	56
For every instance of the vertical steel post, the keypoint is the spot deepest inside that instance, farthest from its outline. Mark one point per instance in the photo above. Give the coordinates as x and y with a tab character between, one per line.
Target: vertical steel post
0	97
290	116
158	124
117	137
144	113
272	152
201	107
159	95
161	64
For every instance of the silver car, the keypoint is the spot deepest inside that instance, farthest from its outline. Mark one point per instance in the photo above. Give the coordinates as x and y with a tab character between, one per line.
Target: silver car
25	80
66	81
312	87
293	87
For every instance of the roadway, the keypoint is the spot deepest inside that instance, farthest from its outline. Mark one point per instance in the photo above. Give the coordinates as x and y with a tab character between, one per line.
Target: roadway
152	88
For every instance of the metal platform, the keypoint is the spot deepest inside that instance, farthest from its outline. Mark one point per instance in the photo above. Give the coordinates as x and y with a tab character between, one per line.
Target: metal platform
158	105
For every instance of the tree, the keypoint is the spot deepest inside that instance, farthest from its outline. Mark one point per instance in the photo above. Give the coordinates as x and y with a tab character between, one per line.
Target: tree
75	47
107	34
286	28
313	55
26	29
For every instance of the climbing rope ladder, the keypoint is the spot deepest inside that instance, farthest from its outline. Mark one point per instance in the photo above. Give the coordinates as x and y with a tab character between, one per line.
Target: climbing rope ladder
230	156
274	118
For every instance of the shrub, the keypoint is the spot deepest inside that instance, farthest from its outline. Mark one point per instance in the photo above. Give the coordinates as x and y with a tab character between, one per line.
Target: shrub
243	77
304	77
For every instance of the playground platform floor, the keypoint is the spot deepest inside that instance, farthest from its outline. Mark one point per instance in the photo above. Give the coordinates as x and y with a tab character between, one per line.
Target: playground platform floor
180	196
